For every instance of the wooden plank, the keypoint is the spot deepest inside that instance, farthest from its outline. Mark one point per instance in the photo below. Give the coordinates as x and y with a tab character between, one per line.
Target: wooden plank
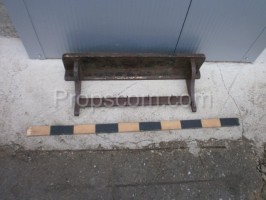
103	66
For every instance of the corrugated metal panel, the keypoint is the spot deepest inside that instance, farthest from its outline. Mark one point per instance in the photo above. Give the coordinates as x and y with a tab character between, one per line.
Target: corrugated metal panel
107	25
223	29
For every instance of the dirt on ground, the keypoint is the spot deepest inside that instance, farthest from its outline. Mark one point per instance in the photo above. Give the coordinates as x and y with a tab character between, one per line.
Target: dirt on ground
220	170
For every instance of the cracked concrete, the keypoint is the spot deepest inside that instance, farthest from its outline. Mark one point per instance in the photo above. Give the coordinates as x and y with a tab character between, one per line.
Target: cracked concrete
229	95
28	89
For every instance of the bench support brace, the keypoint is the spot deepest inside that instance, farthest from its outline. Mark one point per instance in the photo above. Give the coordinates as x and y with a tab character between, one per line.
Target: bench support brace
191	85
77	87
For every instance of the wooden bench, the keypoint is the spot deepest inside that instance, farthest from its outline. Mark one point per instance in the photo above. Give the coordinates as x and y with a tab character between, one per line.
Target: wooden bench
114	66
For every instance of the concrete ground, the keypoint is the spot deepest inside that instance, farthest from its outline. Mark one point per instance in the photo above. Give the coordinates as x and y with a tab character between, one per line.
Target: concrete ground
32	93
149	164
221	171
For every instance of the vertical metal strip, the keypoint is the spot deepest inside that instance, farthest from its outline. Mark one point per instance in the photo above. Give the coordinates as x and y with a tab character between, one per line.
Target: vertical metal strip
42	55
182	27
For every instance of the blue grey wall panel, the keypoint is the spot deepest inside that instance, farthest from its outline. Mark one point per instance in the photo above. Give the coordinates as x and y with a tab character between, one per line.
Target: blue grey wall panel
22	21
107	25
223	29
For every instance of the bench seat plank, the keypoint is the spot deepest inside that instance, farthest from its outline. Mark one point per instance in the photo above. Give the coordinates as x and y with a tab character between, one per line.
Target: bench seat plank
131	67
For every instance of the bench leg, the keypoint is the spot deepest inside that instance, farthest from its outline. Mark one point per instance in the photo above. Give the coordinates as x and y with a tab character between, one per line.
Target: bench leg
77	88
191	86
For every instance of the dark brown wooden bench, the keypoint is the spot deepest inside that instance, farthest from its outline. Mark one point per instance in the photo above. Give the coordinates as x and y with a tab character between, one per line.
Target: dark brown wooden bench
114	66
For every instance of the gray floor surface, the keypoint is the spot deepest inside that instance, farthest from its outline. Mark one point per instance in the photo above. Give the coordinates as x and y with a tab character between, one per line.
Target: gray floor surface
222	170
